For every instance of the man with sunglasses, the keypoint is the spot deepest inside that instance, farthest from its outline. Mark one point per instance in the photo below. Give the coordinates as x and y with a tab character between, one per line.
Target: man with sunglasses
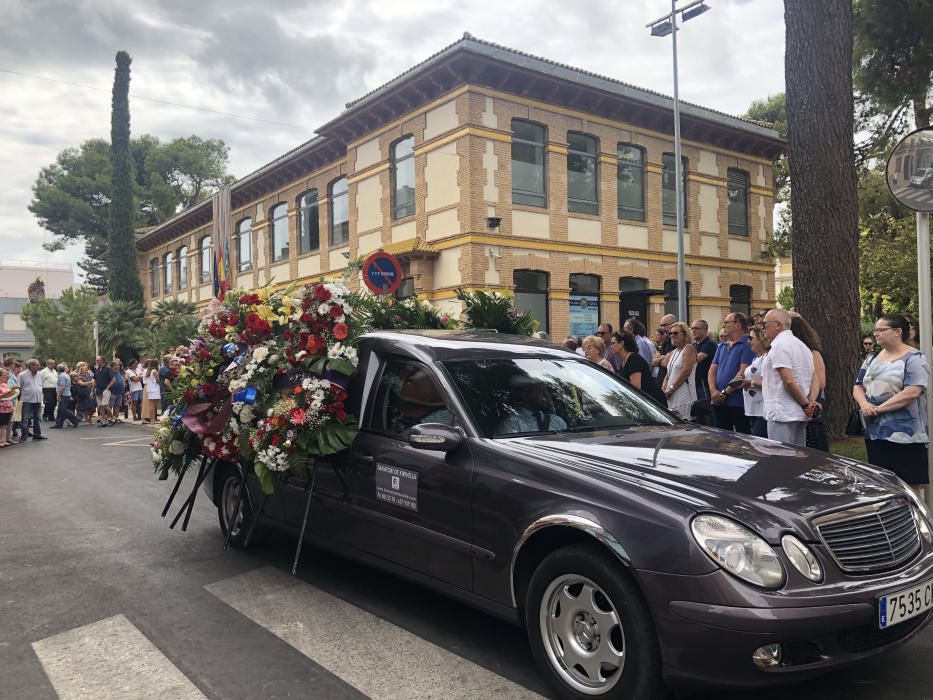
604	332
730	362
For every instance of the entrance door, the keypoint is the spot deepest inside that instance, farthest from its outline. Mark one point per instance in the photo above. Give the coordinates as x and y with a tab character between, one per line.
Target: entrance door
633	304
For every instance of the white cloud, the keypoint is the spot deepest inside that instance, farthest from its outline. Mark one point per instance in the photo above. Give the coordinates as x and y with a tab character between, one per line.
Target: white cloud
299	62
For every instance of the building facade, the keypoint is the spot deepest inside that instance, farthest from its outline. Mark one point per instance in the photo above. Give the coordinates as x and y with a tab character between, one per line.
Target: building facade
487	168
16	340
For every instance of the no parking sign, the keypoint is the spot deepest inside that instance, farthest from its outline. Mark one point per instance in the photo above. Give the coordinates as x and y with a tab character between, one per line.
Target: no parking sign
382	273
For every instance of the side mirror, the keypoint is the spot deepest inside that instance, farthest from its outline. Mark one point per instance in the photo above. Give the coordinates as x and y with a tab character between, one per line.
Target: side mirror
435	436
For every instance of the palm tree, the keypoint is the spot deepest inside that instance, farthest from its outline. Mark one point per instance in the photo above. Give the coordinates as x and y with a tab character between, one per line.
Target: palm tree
119	325
164	311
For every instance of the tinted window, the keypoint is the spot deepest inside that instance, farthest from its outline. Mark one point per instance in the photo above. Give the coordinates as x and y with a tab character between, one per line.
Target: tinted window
204	246
279	216
738	202
403	178
507	397
670	296
309	236
154	277
183	267
582	174
528	165
407	396
339	212
531	294
244	244
740	299
631	182
668	189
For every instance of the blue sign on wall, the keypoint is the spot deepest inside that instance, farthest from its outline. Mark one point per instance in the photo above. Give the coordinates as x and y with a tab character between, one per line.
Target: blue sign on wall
584	314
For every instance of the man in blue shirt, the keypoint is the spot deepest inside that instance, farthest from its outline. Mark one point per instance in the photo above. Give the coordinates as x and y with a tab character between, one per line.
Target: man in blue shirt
731	359
63	392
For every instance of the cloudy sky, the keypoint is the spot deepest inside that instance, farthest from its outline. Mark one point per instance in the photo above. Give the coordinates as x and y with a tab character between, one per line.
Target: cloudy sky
297	63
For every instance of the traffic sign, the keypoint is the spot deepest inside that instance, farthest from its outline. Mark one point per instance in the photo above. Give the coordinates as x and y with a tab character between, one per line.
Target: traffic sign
382	273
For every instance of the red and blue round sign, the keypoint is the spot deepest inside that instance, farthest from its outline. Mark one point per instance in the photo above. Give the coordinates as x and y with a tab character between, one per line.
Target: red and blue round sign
382	273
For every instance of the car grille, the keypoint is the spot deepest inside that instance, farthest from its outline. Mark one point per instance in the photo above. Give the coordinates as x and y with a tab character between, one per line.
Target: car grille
868	637
871	538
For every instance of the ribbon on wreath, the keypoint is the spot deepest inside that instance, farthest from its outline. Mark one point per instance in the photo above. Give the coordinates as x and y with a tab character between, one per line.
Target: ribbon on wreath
247	396
200	424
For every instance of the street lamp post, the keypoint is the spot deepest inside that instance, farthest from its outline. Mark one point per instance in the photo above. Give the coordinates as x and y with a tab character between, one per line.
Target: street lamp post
664	25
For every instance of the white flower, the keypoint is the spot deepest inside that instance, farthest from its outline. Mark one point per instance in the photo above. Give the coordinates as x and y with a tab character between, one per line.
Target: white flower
323	309
269	413
317	404
300	354
333	351
246	414
318	395
260	353
273	359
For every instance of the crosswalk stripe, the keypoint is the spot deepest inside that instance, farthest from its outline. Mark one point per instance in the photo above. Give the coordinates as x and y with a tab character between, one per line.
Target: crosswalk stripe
111	659
376	657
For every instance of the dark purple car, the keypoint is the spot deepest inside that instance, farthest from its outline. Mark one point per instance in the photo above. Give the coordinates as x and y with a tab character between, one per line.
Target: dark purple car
638	551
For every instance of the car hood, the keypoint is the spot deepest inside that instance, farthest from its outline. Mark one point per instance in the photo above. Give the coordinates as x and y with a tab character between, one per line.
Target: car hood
769	486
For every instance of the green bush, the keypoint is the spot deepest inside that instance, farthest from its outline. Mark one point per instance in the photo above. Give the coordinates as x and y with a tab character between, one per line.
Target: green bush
491	310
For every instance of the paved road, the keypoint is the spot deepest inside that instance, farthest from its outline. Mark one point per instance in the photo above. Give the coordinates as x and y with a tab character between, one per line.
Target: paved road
99	599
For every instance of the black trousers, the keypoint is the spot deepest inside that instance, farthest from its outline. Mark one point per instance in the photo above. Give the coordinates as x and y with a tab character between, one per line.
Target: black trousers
732	418
49	399
66	412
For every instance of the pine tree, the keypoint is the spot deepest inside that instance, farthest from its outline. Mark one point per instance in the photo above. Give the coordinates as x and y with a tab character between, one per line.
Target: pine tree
122	272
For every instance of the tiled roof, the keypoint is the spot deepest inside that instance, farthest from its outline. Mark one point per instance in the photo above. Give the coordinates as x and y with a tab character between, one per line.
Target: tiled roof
411	246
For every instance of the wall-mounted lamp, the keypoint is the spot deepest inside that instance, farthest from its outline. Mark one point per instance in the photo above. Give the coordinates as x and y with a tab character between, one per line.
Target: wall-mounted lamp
345	255
493	221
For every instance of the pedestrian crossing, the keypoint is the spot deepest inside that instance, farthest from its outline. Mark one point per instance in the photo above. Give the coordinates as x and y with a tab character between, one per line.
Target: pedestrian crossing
112	658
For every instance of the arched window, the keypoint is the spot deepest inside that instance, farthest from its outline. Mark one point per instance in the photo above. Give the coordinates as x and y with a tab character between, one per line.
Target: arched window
279	217
582	174
309	233
204	252
630	177
244	245
529	173
669	189
531	294
168	262
154	277
182	267
403	178
740	299
584	304
738	202
339	212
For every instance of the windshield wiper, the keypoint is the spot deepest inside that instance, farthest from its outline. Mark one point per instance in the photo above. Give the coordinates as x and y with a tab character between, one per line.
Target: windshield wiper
526	433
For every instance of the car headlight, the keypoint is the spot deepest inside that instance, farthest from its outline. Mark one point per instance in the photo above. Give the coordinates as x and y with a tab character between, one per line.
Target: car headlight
738	550
802	558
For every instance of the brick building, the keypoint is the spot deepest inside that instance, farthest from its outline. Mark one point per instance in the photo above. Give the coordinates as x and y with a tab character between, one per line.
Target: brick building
484	167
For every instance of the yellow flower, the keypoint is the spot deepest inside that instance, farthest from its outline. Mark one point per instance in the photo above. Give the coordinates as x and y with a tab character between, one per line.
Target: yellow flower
230	329
194	382
266	313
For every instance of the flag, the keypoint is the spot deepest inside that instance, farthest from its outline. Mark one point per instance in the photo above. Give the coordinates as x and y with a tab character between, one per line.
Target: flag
220	237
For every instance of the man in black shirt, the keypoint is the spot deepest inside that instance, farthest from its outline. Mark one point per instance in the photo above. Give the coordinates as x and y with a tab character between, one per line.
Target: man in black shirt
706	349
165	380
103	376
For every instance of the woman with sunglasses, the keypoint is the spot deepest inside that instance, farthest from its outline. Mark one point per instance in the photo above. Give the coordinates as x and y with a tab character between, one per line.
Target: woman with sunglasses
890	391
751	383
679	386
868	346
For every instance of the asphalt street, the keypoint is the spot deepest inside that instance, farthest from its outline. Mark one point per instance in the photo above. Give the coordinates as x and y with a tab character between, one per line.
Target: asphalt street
100	599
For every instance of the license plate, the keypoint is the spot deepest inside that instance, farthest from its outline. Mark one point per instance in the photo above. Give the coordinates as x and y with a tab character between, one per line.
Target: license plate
894	608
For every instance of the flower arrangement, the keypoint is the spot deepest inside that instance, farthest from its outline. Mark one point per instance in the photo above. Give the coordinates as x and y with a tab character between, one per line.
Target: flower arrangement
266	383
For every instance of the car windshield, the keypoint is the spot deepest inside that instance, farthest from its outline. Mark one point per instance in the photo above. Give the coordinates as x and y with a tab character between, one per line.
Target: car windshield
527	396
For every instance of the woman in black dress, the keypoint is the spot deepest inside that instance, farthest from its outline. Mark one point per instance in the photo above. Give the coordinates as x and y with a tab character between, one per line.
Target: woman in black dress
633	367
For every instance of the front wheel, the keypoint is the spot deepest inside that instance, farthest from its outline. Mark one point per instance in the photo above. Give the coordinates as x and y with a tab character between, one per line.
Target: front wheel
589	628
227	495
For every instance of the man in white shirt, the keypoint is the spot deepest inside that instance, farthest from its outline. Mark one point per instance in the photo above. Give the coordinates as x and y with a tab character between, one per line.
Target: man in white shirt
49	390
787	371
532	409
30	386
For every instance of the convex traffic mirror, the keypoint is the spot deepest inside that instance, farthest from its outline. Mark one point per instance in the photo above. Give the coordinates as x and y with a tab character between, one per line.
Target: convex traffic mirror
910	170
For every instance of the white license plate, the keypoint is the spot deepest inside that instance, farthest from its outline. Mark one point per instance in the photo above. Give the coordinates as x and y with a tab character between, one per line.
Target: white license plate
894	608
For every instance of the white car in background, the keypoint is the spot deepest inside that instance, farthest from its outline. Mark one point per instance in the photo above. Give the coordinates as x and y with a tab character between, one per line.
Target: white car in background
923	177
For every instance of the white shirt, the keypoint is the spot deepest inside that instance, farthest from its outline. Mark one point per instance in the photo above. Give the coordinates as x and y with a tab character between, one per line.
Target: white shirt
786	351
31	387
135	379
753	398
49	378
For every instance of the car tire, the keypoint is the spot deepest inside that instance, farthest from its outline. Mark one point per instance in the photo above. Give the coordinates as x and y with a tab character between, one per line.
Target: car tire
589	628
226	494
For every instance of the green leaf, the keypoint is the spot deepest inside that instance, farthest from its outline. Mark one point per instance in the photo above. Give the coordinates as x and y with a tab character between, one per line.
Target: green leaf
342	366
266	478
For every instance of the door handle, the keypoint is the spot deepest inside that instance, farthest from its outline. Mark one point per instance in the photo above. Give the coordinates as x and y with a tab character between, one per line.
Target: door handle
365	459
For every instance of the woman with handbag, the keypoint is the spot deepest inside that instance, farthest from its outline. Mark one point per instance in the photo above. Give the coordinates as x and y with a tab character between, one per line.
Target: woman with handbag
679	386
891	392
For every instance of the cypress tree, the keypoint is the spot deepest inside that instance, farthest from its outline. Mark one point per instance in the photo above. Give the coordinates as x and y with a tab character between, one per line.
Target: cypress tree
122	270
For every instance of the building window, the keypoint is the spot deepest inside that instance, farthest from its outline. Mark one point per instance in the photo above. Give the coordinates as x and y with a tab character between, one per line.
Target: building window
582	174
584	304
670	298
279	217
403	178
182	267
204	247
669	191
154	277
406	288
168	263
244	245
309	230
529	180
531	294
339	212
630	177
740	299
738	202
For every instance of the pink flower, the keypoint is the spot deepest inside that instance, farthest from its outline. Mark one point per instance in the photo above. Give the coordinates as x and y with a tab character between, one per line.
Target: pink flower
297	416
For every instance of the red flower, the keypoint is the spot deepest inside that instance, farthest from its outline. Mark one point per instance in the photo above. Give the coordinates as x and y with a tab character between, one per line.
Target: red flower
321	294
249	299
275	439
341	331
306	303
316	344
298	416
336	310
189	397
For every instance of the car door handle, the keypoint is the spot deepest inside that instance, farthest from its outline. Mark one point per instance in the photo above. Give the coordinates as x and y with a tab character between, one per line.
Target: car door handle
365	459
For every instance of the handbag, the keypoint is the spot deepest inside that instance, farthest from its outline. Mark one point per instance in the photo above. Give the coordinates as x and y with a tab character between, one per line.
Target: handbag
700	408
854	426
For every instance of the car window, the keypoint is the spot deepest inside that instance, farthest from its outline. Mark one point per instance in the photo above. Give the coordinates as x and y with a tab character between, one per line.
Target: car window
509	397
407	395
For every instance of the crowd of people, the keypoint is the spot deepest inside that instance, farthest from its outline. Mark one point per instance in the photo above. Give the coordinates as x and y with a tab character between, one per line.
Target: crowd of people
766	377
104	394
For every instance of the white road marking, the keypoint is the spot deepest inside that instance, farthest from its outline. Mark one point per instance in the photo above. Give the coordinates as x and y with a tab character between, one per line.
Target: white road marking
106	437
376	657
131	442
114	660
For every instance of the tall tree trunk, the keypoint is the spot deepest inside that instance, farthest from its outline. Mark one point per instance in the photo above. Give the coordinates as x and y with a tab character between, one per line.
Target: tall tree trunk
122	270
820	114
